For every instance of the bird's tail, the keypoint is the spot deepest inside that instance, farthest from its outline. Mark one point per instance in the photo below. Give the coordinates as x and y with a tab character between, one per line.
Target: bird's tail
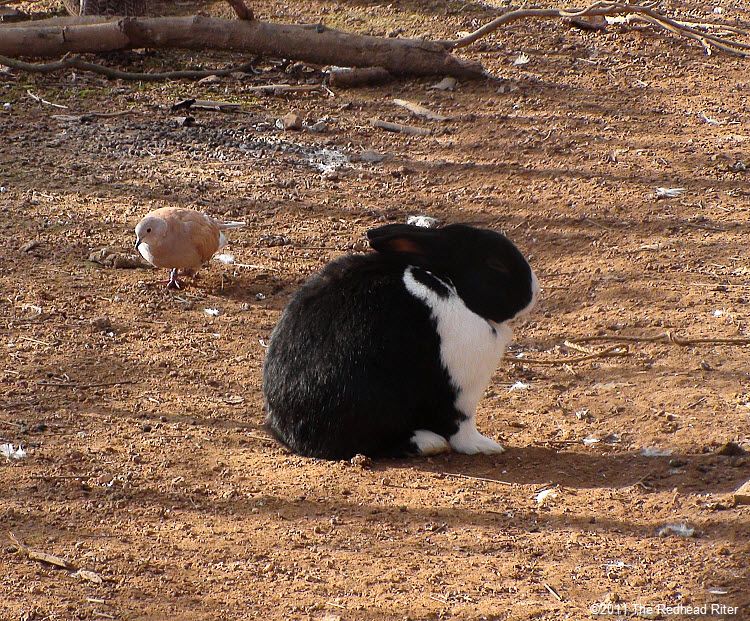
231	225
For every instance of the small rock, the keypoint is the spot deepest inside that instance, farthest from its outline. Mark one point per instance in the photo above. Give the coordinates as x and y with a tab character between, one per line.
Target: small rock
591	23
446	84
361	461
6	107
427	222
290	121
146	428
318	127
100	256
677	463
742	495
184	121
371	157
127	261
731	449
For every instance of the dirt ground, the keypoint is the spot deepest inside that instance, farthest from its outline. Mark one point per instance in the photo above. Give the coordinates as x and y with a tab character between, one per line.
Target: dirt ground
142	414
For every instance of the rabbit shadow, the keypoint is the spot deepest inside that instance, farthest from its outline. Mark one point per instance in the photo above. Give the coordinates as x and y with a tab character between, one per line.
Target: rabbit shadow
546	467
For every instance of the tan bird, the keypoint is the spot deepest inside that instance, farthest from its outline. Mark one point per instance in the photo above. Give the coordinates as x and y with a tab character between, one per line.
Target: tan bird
180	239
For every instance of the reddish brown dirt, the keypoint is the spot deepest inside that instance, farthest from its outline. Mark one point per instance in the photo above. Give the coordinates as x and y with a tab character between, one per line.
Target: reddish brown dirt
165	484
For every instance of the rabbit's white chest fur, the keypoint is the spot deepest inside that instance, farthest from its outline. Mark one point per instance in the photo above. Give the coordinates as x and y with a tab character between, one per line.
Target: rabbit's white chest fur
470	346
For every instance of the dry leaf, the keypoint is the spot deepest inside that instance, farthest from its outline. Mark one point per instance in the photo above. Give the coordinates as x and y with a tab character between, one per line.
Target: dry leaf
89	576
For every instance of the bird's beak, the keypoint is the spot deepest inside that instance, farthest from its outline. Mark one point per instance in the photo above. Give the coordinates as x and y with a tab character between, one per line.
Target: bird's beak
137	243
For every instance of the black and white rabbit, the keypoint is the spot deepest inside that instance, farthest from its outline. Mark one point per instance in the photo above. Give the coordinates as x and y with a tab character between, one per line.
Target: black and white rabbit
388	353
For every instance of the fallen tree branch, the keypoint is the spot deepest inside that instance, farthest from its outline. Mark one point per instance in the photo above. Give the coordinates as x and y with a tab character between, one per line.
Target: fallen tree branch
314	44
116	74
639	12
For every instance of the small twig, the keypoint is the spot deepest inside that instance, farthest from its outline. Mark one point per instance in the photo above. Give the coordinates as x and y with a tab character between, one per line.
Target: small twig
35	555
553	591
420	110
55	477
39	99
243	11
667	337
399	128
252	266
335	605
281	89
263	438
11	423
615	351
88	116
471	478
695	403
77	63
76	385
32	340
642	482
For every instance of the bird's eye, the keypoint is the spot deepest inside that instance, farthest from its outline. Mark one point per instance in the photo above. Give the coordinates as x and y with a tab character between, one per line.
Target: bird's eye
148	230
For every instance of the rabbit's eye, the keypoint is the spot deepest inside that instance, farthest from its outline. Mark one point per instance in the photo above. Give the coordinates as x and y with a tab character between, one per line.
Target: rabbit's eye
497	265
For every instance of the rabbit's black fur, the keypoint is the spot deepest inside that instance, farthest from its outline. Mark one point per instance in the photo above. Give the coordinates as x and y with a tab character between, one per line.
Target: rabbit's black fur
357	363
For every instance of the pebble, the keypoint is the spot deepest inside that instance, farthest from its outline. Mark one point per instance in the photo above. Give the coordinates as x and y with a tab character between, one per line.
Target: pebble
361	461
446	84
184	121
318	127
290	121
372	157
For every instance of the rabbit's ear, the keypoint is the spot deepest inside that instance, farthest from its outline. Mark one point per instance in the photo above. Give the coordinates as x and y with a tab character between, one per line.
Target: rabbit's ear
406	239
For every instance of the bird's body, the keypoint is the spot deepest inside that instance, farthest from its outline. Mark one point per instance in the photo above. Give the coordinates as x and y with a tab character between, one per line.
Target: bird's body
180	239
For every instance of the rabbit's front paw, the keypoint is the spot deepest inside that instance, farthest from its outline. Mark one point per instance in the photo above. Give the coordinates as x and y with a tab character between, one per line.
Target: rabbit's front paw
469	441
429	443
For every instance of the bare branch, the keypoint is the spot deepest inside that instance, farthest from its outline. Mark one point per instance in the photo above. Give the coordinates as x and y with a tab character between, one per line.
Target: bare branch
639	12
77	63
242	10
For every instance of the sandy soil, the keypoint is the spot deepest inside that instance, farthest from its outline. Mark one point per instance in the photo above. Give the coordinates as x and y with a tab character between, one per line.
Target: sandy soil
142	415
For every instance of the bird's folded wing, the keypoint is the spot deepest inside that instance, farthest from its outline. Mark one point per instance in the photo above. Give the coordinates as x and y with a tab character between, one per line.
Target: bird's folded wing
204	235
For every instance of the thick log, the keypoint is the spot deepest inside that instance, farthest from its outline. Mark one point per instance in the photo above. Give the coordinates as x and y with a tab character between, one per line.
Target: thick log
314	44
